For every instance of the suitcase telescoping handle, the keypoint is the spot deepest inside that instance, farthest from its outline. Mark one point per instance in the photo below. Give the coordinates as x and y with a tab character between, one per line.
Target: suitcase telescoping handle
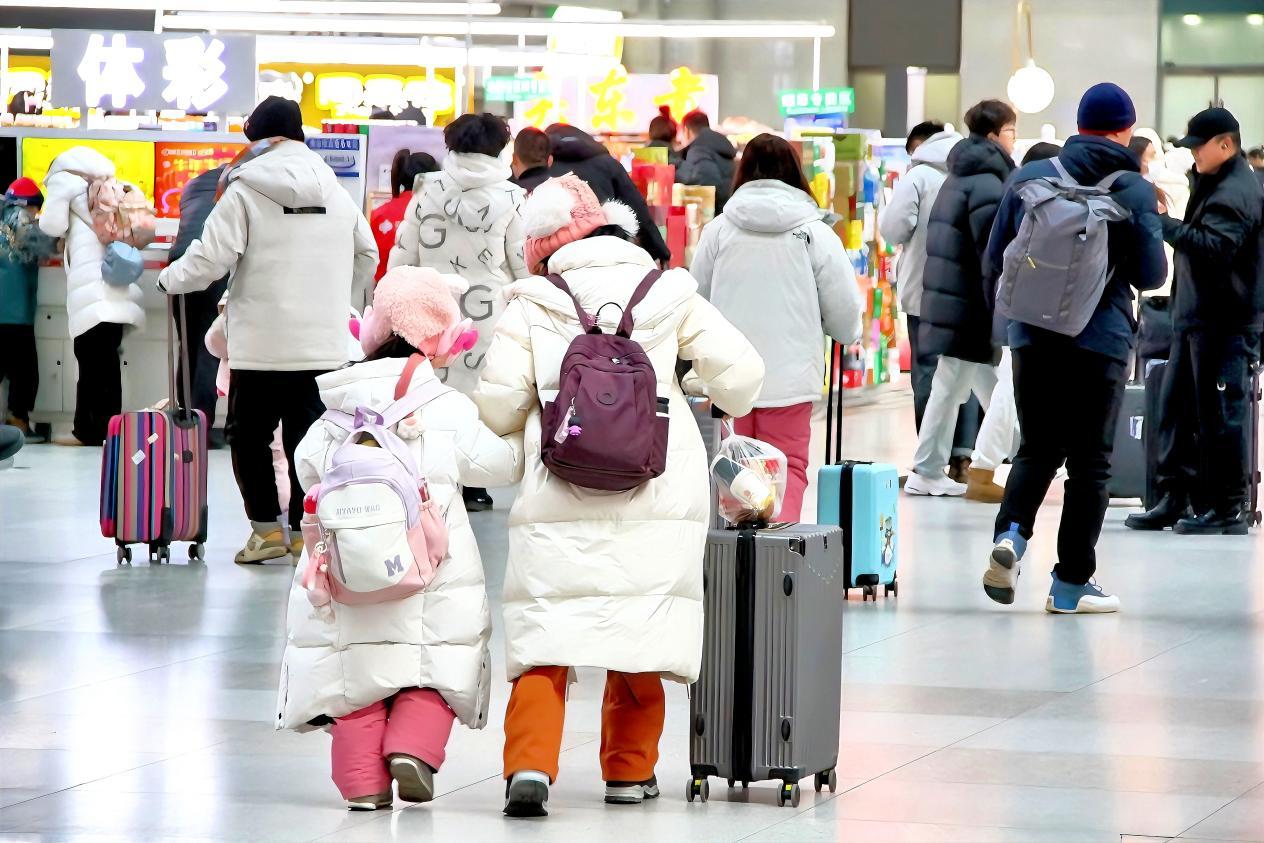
834	407
178	355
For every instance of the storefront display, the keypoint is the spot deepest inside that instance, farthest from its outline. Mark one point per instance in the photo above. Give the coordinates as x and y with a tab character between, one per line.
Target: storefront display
176	163
358	92
616	101
133	160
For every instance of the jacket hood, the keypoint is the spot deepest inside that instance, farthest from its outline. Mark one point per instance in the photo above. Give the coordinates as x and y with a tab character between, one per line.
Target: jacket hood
712	141
571	144
1089	158
770	206
935	150
81	159
474	189
368	384
672	290
976	154
289	174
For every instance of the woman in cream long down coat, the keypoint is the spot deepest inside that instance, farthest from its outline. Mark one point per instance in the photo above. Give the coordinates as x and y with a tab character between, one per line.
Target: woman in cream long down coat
99	314
598	579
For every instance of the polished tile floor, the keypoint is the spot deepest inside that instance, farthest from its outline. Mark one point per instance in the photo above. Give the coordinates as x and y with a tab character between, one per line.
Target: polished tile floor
135	704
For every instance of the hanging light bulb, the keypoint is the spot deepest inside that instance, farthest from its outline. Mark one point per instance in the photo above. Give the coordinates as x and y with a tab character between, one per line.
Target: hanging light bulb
1031	87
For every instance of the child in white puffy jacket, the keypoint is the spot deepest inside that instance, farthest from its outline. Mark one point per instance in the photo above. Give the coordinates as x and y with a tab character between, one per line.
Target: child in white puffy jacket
391	677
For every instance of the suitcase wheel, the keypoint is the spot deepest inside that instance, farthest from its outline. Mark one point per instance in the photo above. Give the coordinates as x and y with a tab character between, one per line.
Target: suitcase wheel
197	552
698	789
123	555
159	553
829	779
892	589
868	592
789	792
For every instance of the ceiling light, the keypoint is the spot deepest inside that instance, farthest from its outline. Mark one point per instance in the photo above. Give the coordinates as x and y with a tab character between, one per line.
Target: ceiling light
326	7
1030	89
1191	20
197	21
1255	20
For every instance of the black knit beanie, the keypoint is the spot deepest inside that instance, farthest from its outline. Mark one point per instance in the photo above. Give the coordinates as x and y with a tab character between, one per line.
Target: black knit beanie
275	117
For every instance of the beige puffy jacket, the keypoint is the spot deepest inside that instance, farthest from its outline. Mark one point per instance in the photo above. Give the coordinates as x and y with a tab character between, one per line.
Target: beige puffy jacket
600	579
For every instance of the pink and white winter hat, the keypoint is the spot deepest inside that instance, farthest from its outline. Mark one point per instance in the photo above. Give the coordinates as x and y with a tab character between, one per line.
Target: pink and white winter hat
563	210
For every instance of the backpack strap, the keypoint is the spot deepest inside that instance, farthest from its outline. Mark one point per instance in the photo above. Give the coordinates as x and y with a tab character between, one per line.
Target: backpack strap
1063	175
413	401
642	289
1109	181
586	322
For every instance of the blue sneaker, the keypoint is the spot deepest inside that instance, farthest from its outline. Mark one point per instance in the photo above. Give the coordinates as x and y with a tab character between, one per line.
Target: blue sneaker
1004	565
1068	599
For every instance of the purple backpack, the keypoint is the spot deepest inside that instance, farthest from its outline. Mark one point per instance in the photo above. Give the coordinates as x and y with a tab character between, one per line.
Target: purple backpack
607	428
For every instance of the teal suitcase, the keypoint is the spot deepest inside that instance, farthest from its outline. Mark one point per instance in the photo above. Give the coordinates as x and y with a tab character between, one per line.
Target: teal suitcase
863	499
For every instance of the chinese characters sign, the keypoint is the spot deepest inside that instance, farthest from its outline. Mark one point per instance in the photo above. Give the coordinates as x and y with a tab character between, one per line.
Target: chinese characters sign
176	163
145	70
618	101
823	101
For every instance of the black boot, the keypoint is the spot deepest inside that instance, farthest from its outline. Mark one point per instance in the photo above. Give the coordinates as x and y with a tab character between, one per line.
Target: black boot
476	499
1214	523
1166	513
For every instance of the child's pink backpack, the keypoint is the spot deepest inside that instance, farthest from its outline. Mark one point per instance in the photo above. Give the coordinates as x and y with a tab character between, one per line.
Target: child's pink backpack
377	535
120	213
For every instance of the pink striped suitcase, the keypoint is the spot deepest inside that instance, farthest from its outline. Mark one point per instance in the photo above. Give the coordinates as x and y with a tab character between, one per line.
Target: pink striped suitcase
153	481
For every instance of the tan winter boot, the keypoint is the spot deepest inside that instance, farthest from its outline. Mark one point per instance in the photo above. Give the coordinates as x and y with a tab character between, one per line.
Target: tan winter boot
981	487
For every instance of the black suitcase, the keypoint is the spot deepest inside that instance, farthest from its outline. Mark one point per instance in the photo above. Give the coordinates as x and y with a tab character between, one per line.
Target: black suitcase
1128	464
767	701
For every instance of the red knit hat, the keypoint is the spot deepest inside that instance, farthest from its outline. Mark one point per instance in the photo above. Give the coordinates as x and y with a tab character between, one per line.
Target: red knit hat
24	191
563	210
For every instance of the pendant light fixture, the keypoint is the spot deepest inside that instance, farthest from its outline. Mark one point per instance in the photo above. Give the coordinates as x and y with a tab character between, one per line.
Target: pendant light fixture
1030	89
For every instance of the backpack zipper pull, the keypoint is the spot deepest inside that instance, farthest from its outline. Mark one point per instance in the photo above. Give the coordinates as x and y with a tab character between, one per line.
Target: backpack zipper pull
1031	262
572	423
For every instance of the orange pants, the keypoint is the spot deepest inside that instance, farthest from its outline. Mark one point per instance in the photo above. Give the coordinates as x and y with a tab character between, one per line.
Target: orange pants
631	723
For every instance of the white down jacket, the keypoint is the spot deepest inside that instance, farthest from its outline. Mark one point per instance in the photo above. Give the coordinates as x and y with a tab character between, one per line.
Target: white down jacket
299	251
781	275
89	300
337	663
466	220
903	221
601	579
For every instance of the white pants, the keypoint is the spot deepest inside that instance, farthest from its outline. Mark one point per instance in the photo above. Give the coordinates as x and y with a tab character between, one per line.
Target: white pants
998	437
954	380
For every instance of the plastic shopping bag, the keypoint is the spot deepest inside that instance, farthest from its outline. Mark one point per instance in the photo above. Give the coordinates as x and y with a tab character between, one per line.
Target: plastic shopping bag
750	479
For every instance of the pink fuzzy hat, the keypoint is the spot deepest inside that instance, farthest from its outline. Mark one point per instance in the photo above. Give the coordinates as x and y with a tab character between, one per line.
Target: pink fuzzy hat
419	305
563	210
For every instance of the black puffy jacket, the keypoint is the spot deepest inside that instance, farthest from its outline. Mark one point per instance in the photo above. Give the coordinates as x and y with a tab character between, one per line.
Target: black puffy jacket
955	318
709	160
576	152
1219	254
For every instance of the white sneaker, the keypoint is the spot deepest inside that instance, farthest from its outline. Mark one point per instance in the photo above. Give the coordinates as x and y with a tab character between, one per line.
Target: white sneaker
941	485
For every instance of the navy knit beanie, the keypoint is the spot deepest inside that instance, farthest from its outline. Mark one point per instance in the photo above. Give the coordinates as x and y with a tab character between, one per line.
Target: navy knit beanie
1105	108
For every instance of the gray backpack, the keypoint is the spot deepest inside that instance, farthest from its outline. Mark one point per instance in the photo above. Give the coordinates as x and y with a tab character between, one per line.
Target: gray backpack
1057	267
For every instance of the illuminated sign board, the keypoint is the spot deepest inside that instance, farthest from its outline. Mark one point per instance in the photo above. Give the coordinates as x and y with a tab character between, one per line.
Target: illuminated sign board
153	71
822	101
516	88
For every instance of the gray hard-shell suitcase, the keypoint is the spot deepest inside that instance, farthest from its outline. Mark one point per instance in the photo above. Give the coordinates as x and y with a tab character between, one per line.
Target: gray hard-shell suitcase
767	701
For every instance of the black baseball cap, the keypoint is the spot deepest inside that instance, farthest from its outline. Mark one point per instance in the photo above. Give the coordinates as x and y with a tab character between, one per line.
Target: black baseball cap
1207	124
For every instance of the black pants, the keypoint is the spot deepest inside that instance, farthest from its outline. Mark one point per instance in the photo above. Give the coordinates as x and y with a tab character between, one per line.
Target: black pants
1068	402
99	391
201	308
19	364
1205	420
922	373
257	403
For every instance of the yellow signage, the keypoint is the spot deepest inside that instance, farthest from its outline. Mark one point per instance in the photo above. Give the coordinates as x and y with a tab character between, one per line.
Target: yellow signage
133	160
610	110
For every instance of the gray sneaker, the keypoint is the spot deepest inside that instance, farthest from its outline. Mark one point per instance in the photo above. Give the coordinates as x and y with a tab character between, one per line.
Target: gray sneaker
527	795
414	777
631	793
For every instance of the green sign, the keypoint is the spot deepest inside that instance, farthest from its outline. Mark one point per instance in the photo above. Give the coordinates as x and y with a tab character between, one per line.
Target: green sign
516	89
822	101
